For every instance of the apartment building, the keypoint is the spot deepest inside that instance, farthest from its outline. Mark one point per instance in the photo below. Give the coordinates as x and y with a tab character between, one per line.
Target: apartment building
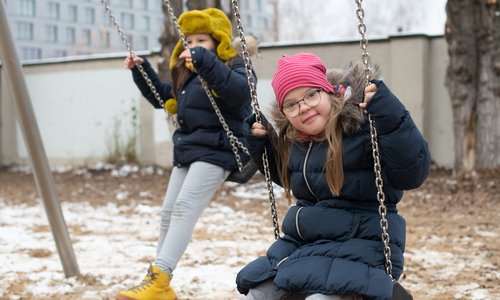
259	18
57	28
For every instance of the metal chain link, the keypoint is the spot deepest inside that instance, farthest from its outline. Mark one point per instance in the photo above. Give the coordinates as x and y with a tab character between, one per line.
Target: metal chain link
365	56
233	140
139	67
258	117
248	62
384	225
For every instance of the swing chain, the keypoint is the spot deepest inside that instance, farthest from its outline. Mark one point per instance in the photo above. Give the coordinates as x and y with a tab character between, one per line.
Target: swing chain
384	225
248	62
365	56
233	140
133	55
175	21
258	118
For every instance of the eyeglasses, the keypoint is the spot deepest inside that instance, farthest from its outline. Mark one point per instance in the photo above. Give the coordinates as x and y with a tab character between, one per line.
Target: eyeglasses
311	99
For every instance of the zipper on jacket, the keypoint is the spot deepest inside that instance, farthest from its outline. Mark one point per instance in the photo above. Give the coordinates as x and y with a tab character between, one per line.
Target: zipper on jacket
281	261
304	170
297	228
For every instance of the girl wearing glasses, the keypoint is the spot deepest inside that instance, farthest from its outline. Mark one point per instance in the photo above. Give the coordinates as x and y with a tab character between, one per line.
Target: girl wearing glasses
322	155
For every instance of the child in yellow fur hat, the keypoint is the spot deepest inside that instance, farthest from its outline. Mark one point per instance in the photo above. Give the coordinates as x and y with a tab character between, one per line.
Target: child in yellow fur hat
203	158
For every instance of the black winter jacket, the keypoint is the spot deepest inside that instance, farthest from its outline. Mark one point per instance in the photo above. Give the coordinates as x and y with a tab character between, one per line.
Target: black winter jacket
200	136
332	244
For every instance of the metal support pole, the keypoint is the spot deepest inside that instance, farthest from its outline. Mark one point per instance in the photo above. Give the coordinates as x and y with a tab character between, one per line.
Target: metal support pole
41	170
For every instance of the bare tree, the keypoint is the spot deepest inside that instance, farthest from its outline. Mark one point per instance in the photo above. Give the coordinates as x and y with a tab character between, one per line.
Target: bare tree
168	39
473	81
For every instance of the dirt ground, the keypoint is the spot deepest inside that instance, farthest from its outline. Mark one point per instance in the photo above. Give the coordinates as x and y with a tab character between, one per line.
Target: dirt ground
455	218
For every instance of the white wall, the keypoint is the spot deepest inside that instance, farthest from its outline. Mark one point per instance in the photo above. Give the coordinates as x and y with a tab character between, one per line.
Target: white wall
83	109
80	103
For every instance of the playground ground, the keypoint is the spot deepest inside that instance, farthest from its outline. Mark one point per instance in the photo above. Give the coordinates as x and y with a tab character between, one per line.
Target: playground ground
453	230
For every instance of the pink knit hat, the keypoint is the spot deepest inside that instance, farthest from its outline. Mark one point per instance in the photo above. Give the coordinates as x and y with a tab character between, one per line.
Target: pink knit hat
301	69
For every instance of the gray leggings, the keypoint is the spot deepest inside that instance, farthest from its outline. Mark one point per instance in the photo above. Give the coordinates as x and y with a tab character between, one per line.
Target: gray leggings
267	291
189	192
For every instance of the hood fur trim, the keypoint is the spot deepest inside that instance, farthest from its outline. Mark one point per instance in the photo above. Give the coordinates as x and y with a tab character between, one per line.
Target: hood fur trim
252	45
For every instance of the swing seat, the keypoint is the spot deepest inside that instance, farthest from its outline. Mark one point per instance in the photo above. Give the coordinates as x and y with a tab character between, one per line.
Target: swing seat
243	176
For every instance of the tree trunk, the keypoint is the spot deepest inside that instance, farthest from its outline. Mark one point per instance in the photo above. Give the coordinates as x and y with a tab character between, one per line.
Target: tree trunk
473	81
168	40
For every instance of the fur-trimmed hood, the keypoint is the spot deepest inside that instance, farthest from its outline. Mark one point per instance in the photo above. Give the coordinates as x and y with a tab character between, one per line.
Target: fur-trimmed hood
351	116
252	45
353	75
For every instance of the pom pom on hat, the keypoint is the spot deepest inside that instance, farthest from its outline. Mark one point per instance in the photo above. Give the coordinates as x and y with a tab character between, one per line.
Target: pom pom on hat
299	70
171	106
212	21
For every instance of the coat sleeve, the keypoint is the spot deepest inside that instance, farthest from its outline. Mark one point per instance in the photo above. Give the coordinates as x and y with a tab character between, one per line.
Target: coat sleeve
225	81
257	144
163	89
404	153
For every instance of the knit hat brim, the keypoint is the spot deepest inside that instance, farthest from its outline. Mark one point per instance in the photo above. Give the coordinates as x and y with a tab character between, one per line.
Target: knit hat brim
299	70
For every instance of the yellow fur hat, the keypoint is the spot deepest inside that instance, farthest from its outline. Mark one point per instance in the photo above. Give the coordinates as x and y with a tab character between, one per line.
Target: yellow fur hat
212	21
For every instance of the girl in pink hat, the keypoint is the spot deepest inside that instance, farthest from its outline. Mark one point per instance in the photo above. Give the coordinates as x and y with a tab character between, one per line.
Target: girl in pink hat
322	156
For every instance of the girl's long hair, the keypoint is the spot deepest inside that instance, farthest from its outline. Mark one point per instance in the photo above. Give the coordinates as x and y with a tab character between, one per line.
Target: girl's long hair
180	74
287	135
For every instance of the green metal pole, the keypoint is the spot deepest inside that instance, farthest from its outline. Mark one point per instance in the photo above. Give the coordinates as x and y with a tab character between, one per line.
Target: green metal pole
41	170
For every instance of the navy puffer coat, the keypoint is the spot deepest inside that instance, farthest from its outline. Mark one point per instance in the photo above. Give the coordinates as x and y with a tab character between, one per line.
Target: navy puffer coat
332	244
200	136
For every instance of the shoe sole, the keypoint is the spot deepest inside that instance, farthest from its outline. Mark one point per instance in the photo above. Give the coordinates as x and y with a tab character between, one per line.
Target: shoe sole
122	297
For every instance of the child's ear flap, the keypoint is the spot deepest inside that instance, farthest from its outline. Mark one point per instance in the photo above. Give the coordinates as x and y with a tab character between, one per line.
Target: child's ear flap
225	49
174	57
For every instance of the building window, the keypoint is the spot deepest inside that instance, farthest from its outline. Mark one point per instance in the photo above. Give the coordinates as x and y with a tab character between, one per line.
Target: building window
126	3
72	13
144	42
70	35
160	22
106	20
129	38
51	31
28	53
146	23
26	8
144	4
127	20
104	39
86	37
24	31
89	15
54	11
264	23
60	53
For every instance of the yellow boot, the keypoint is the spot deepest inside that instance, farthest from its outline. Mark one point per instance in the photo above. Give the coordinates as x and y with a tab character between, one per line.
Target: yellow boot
156	286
